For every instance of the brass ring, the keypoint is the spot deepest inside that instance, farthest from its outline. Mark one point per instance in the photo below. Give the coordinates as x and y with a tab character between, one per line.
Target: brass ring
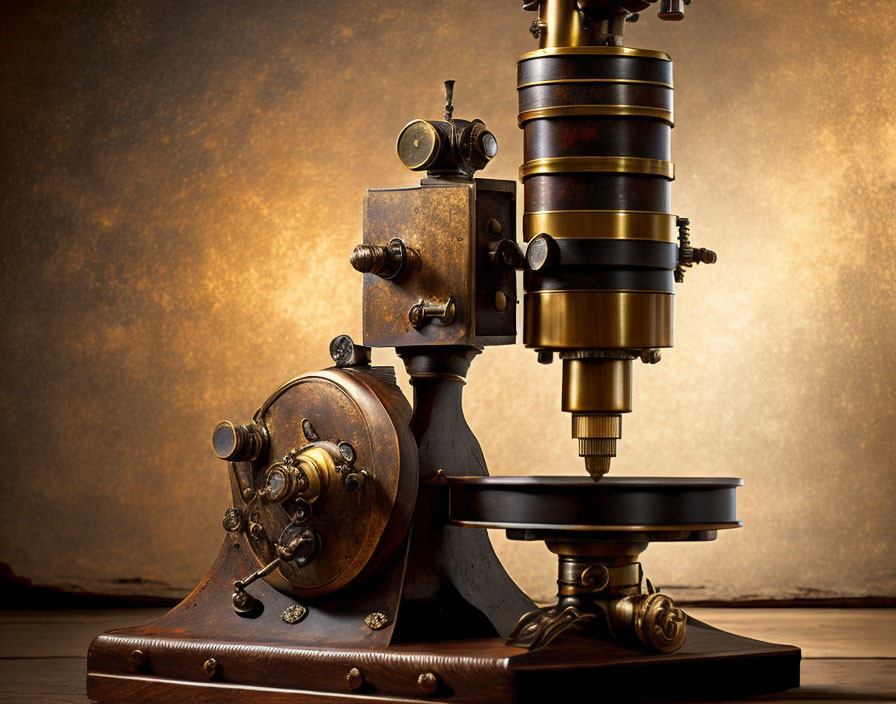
553	81
601	224
596	50
598	164
596	111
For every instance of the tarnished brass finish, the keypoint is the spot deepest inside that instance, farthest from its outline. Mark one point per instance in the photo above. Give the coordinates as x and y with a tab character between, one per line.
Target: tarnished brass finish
428	682
597	385
376	621
596	426
358	530
419	144
238	443
354	679
294	614
602	50
597	319
564	81
596	111
653	619
211	667
451	225
598	164
600	224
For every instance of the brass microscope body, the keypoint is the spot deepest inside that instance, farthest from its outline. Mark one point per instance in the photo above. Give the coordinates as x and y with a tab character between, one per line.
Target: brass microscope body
356	565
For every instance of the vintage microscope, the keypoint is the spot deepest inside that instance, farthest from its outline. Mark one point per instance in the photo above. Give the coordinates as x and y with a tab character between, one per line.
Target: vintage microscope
356	566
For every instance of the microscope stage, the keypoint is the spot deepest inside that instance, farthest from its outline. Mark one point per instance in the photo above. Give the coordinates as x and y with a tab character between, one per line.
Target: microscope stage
651	508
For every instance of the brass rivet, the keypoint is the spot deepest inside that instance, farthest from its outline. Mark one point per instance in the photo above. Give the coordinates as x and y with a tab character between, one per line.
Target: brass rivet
354	678
428	682
248	494
138	657
376	621
294	614
495	227
211	667
500	301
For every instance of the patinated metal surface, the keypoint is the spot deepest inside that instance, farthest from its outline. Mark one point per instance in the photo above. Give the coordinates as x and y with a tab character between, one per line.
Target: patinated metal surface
449	227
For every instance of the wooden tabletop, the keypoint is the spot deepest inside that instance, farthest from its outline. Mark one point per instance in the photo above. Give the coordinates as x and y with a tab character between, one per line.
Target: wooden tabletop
848	654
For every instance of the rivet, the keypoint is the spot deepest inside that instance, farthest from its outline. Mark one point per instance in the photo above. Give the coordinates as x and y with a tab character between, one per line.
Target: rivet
248	494
294	614
428	682
376	621
500	301
495	227
211	667
354	678
138	657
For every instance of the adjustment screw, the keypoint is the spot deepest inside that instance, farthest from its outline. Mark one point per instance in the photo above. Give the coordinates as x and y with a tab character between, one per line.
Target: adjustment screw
211	667
354	679
428	682
545	356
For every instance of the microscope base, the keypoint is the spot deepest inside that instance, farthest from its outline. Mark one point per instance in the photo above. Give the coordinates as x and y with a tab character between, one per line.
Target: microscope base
712	663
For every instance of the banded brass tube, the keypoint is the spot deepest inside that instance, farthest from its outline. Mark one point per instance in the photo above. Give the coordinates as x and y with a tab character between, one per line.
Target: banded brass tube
597	120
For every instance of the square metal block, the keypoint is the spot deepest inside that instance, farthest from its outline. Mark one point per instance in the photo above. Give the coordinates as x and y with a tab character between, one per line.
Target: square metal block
450	225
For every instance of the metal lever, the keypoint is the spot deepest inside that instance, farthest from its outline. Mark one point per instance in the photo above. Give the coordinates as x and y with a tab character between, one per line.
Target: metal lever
293	538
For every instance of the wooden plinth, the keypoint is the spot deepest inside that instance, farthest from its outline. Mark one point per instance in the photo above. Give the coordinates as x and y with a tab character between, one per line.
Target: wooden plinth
712	663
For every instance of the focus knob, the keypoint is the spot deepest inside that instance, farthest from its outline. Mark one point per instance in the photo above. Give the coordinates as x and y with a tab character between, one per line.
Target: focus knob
237	443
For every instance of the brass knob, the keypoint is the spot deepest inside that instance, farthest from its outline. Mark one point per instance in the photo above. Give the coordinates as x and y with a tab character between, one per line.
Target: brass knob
421	313
237	443
386	261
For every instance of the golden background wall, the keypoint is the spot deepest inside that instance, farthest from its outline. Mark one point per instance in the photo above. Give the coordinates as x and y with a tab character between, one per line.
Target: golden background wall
182	185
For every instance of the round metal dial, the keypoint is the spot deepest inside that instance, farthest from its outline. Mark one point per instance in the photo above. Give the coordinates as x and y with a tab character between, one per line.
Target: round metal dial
361	423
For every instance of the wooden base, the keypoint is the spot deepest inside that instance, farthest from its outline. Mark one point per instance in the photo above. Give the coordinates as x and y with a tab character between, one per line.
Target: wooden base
712	663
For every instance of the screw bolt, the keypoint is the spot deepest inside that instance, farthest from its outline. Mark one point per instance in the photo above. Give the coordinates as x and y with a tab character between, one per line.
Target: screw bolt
428	682
211	667
354	679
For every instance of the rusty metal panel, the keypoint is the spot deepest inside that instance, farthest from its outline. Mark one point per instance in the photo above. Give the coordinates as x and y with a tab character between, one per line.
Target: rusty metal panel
440	222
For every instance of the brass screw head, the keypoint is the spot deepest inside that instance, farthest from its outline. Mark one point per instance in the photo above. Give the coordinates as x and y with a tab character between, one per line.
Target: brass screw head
211	667
294	614
428	682
354	679
376	621
138	657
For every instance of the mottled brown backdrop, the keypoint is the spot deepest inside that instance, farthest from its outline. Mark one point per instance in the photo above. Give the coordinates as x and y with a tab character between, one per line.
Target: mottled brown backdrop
181	188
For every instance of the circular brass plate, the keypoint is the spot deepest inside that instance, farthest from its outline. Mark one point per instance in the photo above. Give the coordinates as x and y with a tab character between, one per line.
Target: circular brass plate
418	144
604	50
601	224
597	319
598	164
358	531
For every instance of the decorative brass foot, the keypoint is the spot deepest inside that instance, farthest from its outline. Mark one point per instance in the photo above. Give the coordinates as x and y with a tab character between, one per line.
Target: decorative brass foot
600	596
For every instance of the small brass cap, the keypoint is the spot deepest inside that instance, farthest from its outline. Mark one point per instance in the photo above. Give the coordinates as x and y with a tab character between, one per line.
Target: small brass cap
418	145
211	667
428	682
354	678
